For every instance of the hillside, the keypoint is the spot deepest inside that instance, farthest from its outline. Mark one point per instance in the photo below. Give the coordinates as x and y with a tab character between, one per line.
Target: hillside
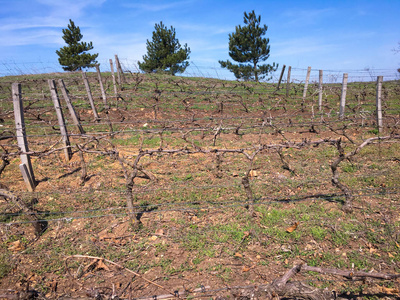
195	183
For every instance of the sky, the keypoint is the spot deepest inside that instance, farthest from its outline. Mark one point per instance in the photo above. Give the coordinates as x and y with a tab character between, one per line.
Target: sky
336	36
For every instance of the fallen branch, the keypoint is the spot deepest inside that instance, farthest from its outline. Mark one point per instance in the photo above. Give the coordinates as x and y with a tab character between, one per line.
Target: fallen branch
121	267
282	287
350	274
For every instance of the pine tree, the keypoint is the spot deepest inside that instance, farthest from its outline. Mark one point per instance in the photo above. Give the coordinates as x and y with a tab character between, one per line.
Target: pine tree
74	57
249	48
164	52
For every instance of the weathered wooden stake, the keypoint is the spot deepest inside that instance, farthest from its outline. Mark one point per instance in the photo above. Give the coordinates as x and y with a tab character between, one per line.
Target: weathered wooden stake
26	165
343	96
103	93
71	108
61	121
249	192
306	87
280	77
113	78
379	103
289	71
320	90
89	92
30	183
122	72
119	69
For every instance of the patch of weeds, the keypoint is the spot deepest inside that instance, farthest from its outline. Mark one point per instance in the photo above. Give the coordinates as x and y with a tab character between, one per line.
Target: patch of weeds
51	265
375	166
131	265
133	140
230	233
197	260
181	222
349	167
225	274
341	236
160	248
276	222
99	157
305	218
318	233
215	268
146	206
188	177
360	262
164	263
373	237
144	267
371	181
326	152
314	260
373	131
209	252
195	241
5	264
263	262
152	142
179	270
273	216
332	259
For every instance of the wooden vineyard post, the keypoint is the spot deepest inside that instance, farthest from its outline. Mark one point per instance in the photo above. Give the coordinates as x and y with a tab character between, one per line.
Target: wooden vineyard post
320	90
26	165
71	108
343	96
119	70
289	71
379	103
280	77
113	77
119	67
89	93
60	117
103	93
306	87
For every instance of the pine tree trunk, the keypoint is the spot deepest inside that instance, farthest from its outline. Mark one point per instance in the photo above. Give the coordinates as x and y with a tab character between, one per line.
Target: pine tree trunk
255	72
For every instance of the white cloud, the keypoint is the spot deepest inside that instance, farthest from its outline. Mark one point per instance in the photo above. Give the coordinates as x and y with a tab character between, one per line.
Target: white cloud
68	8
133	47
299	46
43	24
37	37
206	29
15	24
306	16
157	5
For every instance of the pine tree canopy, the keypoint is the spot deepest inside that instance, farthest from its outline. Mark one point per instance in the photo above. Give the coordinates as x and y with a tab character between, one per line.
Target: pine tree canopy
74	57
164	52
249	48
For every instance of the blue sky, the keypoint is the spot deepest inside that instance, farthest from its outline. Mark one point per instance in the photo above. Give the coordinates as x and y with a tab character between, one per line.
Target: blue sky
330	35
